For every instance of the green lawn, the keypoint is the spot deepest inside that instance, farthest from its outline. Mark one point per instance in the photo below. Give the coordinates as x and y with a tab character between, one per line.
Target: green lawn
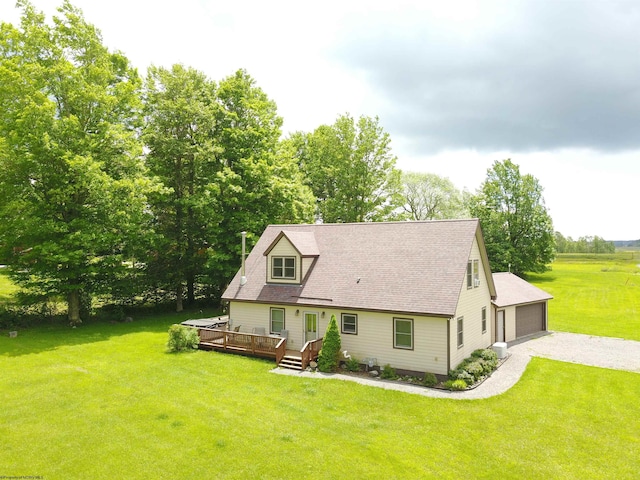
594	294
7	287
106	401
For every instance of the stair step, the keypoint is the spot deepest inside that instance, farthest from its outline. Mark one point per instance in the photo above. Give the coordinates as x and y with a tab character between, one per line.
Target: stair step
291	362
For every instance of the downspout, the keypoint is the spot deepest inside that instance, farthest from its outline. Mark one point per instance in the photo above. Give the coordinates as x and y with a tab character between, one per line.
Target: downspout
448	345
243	278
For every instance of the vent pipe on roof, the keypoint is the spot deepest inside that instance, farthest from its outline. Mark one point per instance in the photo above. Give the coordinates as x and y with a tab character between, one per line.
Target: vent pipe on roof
243	278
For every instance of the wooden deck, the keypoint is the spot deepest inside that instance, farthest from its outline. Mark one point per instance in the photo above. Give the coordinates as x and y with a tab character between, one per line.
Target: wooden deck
268	346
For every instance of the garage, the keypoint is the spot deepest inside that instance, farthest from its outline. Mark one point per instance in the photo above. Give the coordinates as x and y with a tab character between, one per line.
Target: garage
520	308
530	319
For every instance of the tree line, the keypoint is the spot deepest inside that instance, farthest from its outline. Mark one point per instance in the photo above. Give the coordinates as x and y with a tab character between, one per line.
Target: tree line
587	244
136	189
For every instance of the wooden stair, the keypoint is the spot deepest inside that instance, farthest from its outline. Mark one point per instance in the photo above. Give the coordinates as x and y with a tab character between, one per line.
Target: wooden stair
292	362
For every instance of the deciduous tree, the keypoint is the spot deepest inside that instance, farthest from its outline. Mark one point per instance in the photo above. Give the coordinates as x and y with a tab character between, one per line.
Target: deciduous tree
181	114
351	170
517	227
431	197
71	187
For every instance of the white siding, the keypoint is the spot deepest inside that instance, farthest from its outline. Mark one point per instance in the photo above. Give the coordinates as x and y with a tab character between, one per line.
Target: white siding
509	323
470	306
374	338
284	249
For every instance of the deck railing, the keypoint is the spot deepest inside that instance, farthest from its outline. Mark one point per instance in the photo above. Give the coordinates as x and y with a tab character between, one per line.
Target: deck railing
310	351
262	345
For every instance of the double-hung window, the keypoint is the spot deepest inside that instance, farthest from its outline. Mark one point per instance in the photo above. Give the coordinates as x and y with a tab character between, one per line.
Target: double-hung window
484	319
403	333
469	274
350	323
283	267
476	273
460	331
277	320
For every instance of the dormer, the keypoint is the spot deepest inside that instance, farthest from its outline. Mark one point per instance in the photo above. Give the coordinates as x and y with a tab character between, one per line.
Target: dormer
290	256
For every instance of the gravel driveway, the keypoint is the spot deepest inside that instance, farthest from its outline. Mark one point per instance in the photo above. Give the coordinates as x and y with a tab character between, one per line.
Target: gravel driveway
605	352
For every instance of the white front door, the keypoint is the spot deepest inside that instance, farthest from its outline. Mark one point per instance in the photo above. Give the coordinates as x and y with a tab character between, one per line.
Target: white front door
310	326
500	326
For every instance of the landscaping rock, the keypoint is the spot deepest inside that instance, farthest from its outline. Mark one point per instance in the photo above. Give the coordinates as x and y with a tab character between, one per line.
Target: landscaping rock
373	373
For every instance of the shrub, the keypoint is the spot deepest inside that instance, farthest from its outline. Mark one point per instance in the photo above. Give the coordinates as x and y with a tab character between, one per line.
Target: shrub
429	380
475	369
182	338
388	372
329	356
352	364
455	385
466	377
489	355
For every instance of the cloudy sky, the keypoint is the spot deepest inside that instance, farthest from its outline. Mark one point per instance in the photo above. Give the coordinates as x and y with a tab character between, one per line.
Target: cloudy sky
552	84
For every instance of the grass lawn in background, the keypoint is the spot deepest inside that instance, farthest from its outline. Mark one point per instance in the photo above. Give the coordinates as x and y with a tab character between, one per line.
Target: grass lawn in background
594	294
105	401
7	287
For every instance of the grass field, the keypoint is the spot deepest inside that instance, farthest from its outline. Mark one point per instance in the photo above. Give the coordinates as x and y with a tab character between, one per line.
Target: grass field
7	288
105	401
594	294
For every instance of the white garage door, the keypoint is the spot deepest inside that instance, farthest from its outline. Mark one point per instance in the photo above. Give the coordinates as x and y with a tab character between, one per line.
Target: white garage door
530	319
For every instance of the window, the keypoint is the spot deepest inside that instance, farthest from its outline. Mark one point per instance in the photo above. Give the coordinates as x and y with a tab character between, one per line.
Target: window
476	273
403	333
277	320
283	267
460	331
484	319
469	274
349	323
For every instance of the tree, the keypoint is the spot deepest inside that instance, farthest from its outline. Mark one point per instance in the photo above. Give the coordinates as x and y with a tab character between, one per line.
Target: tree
350	168
181	113
259	182
329	355
517	228
431	197
72	185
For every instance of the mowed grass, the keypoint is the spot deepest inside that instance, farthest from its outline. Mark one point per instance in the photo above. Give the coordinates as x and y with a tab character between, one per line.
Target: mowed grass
7	287
105	401
594	294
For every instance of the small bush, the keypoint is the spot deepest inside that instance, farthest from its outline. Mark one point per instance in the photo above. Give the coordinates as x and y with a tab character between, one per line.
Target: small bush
466	377
455	385
475	369
352	364
388	372
429	380
182	338
477	353
489	355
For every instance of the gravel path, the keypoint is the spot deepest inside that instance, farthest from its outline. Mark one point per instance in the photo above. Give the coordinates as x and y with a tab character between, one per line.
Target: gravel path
605	352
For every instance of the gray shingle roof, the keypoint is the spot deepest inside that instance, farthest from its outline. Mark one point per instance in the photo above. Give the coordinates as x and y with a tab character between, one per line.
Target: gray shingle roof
413	267
513	290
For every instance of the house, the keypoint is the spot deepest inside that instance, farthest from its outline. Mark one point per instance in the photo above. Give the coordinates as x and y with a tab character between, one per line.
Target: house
415	295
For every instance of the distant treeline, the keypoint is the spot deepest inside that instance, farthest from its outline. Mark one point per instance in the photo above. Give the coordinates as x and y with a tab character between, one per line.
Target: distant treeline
627	243
586	244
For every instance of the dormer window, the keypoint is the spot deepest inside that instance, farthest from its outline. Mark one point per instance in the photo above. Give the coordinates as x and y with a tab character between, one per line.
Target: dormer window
283	267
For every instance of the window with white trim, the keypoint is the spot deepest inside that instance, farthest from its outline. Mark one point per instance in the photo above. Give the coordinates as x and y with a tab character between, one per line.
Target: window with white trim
484	319
277	320
460	331
283	267
403	333
476	273
349	323
469	274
